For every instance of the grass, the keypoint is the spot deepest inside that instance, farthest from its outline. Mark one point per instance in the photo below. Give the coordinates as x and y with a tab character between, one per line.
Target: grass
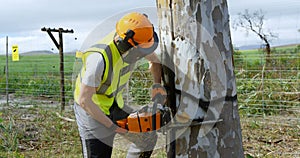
268	101
40	132
273	136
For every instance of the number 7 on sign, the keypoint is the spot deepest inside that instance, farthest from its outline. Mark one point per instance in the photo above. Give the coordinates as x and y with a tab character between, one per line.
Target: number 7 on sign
15	53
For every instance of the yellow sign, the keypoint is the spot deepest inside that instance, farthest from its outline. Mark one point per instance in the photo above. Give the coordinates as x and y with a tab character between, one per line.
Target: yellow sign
15	53
78	54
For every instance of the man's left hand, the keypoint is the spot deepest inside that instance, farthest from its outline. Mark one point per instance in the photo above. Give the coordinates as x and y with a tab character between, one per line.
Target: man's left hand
159	93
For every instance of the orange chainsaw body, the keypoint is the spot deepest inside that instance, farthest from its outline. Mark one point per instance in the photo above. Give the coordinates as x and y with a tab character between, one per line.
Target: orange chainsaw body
140	122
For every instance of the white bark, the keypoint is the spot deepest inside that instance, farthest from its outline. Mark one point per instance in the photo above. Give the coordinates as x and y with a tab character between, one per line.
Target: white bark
196	35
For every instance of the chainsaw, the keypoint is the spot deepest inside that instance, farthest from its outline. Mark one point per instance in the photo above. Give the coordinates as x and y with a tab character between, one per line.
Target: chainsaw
147	118
154	118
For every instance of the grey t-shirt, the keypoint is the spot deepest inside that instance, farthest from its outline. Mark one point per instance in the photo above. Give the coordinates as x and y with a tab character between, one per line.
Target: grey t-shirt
94	70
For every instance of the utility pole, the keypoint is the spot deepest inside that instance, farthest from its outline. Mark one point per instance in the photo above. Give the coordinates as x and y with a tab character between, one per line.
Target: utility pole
59	46
199	77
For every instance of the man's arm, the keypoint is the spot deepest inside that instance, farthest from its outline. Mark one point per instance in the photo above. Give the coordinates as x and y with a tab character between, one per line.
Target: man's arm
155	67
86	102
158	91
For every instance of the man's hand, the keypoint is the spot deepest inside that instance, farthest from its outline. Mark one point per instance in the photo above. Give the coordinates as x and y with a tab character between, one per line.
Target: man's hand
121	130
159	93
117	129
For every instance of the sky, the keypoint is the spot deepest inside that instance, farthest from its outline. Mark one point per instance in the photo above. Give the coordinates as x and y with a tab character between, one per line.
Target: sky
21	20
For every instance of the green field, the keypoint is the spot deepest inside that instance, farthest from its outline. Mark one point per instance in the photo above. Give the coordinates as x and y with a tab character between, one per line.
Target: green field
256	57
266	94
37	75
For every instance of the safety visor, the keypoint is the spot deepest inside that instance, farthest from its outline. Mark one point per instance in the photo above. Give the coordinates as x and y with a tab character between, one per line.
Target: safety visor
148	47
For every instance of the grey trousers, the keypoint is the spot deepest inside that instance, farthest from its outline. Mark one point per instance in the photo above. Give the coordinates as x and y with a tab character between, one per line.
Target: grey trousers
141	146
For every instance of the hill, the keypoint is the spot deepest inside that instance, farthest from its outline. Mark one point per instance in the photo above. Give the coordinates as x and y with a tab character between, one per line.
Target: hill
251	47
38	52
43	52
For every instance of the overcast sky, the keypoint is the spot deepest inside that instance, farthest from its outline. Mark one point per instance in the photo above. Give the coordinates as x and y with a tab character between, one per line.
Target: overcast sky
21	20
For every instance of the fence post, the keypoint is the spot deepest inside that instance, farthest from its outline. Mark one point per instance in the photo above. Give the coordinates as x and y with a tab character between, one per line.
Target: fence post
6	72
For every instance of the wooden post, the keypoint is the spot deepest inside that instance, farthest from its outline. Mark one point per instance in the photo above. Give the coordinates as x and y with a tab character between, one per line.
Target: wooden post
196	47
6	72
61	55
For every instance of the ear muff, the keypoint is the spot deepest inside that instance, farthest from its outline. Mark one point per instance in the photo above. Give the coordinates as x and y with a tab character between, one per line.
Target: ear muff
123	44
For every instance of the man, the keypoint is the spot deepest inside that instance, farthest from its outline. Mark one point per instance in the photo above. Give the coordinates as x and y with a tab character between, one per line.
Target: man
106	69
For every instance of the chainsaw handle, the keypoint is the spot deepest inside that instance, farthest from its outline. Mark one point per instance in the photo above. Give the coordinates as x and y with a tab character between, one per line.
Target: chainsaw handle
158	93
157	99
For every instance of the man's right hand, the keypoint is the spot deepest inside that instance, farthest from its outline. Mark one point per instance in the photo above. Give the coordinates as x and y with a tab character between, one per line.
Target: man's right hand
159	93
121	130
117	129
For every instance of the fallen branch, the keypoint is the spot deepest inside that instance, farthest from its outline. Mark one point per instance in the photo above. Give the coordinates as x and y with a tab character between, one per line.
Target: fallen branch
270	141
288	93
64	118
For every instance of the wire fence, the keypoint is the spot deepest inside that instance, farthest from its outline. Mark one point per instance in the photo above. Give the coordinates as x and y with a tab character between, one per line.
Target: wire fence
268	93
267	88
269	102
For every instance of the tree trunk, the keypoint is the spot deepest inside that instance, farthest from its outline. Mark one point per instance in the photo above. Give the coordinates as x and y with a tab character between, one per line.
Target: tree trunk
199	78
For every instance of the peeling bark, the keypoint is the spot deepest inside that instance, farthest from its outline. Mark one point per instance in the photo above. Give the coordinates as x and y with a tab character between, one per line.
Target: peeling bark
196	46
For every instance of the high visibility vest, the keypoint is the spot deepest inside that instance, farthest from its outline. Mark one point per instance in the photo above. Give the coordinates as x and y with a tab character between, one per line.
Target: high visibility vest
115	76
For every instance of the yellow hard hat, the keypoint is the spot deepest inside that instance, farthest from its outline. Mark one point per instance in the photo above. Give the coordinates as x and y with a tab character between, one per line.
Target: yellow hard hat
137	30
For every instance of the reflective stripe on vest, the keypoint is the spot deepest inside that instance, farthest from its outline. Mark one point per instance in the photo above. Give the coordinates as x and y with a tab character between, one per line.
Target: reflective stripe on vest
108	80
124	71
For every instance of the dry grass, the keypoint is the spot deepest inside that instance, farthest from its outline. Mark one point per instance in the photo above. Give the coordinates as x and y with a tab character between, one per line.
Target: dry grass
274	136
40	132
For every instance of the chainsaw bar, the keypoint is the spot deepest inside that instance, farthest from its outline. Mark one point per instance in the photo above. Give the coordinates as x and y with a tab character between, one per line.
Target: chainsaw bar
177	125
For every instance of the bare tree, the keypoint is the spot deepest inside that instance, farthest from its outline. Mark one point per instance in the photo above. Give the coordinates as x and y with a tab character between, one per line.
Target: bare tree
254	22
